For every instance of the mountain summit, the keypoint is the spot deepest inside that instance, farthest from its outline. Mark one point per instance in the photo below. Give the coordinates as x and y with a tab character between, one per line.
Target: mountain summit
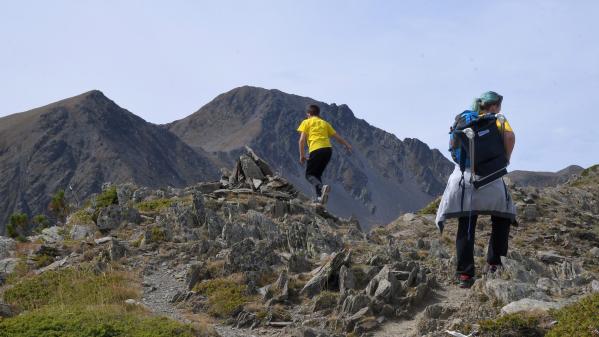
83	142
382	178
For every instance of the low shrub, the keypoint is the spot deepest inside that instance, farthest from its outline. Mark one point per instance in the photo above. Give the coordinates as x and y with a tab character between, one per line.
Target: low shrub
71	287
111	321
579	319
153	205
431	208
225	297
107	197
512	325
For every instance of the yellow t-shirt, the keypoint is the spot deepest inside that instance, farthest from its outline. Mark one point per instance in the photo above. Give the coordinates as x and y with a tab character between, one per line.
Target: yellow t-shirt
506	127
318	132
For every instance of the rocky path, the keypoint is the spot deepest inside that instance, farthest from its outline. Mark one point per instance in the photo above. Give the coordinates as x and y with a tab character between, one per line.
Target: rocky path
160	286
447	296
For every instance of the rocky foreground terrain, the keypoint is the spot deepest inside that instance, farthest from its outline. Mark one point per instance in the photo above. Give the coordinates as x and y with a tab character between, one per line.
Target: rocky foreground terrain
251	256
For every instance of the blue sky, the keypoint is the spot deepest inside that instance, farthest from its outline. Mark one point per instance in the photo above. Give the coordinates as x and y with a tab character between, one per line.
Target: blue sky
405	66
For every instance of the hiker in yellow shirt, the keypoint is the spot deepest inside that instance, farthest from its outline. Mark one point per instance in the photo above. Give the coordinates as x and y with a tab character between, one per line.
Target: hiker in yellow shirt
317	132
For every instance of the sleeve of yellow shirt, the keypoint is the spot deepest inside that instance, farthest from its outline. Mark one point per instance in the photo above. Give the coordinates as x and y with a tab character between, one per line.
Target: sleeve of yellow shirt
330	130
302	126
507	126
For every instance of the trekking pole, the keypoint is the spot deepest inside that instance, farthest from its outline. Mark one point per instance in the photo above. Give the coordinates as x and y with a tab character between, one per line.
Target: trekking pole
470	134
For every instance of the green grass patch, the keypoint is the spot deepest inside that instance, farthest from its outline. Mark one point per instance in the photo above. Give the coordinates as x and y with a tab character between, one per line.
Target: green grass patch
107	197
588	177
154	205
431	208
71	287
512	325
580	319
225	297
109	321
81	217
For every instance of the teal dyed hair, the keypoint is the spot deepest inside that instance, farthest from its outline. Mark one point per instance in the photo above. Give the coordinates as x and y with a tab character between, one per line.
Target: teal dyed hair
486	100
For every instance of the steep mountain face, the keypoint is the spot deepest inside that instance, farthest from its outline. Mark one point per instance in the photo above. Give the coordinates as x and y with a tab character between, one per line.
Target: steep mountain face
82	142
544	179
382	178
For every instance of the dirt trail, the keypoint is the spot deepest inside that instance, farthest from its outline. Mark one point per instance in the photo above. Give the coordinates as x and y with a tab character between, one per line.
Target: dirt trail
447	295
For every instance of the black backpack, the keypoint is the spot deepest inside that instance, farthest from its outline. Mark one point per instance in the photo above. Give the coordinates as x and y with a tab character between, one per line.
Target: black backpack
484	153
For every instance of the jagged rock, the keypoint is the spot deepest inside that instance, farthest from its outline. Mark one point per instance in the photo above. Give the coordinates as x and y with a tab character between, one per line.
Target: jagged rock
109	218
103	240
279	208
517	271
529	304
249	256
366	324
196	273
298	263
281	288
214	225
594	252
594	286
355	318
8	265
81	232
353	303
207	187
549	257
198	207
7	247
319	242
52	234
347	280
548	285
304	331
124	193
324	301
268	230
246	320
5	310
249	169
530	212
54	265
116	250
296	237
140	194
233	233
508	291
324	274
437	250
567	270
439	311
384	286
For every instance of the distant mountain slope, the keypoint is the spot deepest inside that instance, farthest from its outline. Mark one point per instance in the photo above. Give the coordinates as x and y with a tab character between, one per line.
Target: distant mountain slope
544	179
84	141
383	177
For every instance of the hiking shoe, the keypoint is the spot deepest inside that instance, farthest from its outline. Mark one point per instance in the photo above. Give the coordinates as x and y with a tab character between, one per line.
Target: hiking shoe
324	197
466	281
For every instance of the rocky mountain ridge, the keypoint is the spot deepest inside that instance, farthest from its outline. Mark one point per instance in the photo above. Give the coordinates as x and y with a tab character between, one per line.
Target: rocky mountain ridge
383	177
286	267
544	179
82	142
86	140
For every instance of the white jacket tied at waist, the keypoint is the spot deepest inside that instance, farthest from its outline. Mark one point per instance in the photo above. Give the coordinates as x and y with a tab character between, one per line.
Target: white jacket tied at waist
492	199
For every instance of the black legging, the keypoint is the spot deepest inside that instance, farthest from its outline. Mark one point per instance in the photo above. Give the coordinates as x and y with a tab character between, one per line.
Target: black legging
498	243
316	164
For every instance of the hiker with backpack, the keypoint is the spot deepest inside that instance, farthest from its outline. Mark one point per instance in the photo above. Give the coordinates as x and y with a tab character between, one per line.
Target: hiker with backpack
317	132
481	144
